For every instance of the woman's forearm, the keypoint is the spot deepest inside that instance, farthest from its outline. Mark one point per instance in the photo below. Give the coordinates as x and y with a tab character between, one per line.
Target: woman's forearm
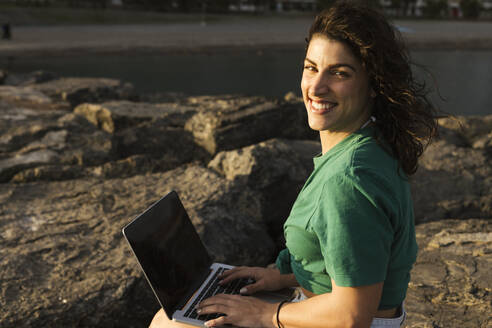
319	311
343	307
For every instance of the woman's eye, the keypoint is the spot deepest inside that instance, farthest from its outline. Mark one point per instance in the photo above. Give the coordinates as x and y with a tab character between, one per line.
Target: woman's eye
340	74
310	68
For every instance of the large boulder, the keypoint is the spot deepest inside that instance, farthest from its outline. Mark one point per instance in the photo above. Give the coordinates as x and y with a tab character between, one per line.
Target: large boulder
20	126
54	145
275	169
227	123
33	151
469	128
116	116
450	282
24	79
455	176
16	163
159	140
65	262
86	90
132	165
30	98
142	128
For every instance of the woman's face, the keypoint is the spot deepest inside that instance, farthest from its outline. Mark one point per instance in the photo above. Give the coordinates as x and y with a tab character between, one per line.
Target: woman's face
335	87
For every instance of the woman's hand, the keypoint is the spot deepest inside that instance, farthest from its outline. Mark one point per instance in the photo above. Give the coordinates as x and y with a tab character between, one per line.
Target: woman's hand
265	279
242	311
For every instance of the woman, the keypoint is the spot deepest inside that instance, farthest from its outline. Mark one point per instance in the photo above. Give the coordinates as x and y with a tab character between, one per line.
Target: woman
350	235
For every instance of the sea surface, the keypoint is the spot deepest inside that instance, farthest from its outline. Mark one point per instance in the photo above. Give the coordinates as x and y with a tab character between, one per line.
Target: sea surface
461	80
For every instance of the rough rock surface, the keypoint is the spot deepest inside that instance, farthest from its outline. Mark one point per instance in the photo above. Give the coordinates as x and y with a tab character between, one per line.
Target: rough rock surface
54	145
20	125
80	90
31	98
275	169
455	176
52	140
142	128
230	123
30	78
119	115
451	283
65	263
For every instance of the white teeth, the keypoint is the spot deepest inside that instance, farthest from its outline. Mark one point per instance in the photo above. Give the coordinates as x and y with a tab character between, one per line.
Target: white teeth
322	105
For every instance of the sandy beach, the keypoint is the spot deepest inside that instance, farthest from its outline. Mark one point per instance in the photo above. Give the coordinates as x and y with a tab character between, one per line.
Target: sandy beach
231	32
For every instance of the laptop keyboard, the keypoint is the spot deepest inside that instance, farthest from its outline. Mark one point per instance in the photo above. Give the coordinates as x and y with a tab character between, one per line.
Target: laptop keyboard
212	288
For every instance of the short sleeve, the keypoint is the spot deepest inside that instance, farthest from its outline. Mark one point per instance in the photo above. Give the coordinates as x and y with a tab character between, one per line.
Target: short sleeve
283	262
354	230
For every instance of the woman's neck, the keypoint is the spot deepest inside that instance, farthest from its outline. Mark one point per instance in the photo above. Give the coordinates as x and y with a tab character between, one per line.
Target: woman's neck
330	139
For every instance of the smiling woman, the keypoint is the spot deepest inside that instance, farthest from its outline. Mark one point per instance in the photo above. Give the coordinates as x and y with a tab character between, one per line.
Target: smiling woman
336	91
350	236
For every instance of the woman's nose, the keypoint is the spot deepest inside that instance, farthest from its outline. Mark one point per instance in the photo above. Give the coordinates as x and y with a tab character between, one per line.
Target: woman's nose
320	85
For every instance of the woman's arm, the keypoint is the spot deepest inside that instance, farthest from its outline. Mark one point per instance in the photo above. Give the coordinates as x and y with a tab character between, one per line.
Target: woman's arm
343	307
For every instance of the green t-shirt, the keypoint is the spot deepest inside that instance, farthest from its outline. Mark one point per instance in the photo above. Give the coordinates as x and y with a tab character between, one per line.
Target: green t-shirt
352	222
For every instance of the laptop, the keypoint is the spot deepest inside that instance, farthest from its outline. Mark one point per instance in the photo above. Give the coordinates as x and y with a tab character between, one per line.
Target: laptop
176	264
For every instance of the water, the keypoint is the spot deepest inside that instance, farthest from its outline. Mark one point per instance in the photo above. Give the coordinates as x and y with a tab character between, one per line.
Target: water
464	77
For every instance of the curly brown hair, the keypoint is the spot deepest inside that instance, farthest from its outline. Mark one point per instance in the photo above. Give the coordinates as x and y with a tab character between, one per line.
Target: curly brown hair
405	117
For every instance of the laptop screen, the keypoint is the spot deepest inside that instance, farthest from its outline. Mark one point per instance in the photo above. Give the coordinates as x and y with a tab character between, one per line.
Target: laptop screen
169	250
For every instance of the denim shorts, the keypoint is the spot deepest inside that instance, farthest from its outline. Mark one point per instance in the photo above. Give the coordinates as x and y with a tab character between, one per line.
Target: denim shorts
390	322
376	322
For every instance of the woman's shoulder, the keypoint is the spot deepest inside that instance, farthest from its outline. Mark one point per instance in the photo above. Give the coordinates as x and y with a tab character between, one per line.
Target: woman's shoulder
365	165
363	154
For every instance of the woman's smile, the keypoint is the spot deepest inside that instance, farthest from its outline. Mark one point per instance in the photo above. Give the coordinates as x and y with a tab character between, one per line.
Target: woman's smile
321	107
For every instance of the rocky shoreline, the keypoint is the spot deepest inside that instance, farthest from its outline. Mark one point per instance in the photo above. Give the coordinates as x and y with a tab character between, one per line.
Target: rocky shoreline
79	158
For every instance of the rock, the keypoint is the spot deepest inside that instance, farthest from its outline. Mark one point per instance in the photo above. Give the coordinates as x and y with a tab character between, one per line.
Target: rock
70	140
29	78
230	123
171	145
116	116
9	166
86	90
65	263
483	142
20	126
291	96
137	164
223	102
454	179
451	281
156	132
163	97
468	127
30	98
275	169
85	145
152	129
51	172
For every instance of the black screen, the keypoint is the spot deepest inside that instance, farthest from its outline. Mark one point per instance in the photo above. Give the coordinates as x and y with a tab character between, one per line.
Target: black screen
169	250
